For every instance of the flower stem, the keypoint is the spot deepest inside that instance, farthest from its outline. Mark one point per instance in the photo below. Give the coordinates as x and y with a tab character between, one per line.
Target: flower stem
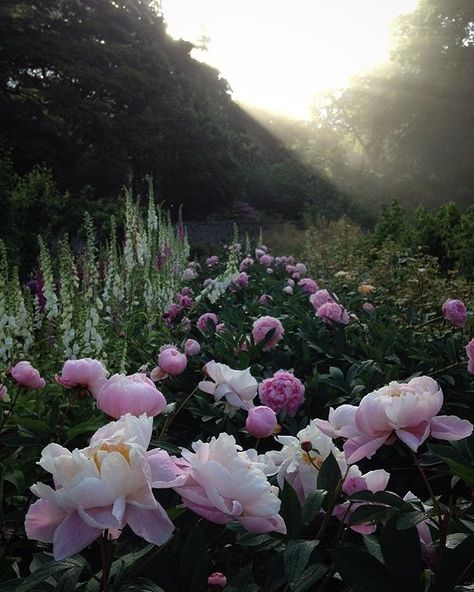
106	561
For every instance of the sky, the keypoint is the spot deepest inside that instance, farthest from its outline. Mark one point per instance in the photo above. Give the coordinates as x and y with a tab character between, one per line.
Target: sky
277	54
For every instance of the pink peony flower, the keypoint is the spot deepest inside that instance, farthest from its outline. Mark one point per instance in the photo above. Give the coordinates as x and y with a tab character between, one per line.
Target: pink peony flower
301	458
301	268
291	269
454	311
265	299
368	307
269	271
225	484
85	372
405	410
470	356
217	579
185	301
3	391
308	285
266	260
25	375
291	282
259	253
192	347
246	263
340	423
242	280
319	298
288	290
207	282
102	487
172	361
332	312
135	394
261	328
212	260
283	391
354	482
189	274
261	422
238	387
206	320
172	312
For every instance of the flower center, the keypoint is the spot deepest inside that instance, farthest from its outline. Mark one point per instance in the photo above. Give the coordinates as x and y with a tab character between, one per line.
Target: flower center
316	460
121	448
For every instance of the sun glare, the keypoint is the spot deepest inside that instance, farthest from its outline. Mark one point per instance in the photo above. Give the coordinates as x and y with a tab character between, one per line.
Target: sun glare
277	55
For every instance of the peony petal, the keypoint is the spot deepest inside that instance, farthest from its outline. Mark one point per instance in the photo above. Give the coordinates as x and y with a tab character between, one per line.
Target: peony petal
414	436
262	525
361	447
152	525
450	427
41	521
72	536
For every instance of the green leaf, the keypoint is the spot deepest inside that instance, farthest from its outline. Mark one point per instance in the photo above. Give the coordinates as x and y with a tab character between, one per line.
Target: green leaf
455	562
312	506
309	577
296	557
193	560
410	519
361	571
275	574
69	579
402	555
291	511
45	572
329	475
32	424
241	582
459	465
141	585
91	425
373	546
369	513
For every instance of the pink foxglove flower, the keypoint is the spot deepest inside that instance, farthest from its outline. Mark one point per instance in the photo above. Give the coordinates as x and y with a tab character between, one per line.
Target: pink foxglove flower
135	394
225	484
25	375
262	327
102	487
85	372
237	387
283	391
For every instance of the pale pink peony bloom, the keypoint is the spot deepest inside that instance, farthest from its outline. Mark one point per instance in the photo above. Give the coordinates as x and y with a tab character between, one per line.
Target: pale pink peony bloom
355	482
261	328
261	422
288	290
135	394
291	282
406	410
172	361
225	484
246	263
301	268
283	391
85	372
340	423
238	387
207	282
319	298
368	307
192	347
300	466
332	312
102	487
189	274
428	547
212	260
265	299
25	375
3	391
269	271
242	280
217	579
220	327
454	311
308	285
290	269
259	253
206	320
266	260
470	356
